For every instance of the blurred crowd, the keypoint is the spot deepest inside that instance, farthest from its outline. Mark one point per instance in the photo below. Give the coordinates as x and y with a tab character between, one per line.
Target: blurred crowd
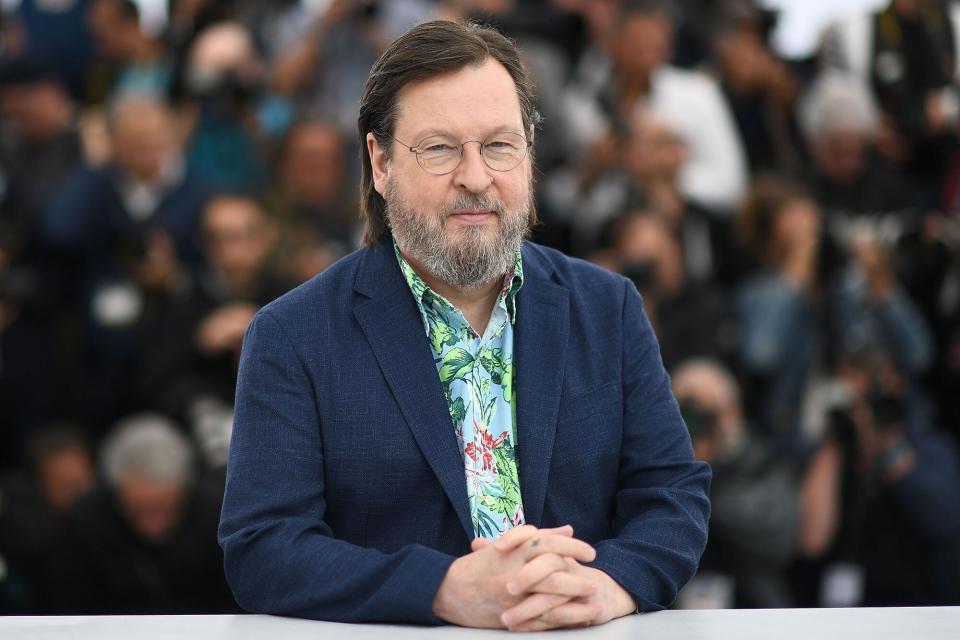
793	226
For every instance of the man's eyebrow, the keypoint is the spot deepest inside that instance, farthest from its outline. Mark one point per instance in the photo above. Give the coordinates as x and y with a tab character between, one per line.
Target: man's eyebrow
426	133
433	131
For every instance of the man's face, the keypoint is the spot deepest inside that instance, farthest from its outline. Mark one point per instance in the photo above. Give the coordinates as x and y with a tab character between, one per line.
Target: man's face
238	237
466	226
66	475
154	509
144	139
643	44
841	155
111	31
313	164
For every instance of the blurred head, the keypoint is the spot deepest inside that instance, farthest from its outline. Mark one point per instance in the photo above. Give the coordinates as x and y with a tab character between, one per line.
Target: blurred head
642	42
910	8
224	62
877	390
149	465
34	104
709	398
144	135
740	49
839	122
427	79
649	253
62	465
654	151
777	214
863	362
115	27
238	236
311	164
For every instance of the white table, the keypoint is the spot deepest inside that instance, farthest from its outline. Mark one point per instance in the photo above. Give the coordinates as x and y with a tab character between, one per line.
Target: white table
933	623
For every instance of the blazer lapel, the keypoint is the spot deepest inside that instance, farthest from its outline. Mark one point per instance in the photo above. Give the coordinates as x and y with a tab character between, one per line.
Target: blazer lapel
540	348
392	324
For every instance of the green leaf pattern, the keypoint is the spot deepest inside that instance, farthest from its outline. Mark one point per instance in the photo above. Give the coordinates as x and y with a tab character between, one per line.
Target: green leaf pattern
477	376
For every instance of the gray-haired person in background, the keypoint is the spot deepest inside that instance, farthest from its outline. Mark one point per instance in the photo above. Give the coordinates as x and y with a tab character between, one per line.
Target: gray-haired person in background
145	541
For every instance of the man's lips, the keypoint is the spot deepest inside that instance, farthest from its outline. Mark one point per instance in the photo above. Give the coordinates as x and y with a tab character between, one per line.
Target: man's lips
472	216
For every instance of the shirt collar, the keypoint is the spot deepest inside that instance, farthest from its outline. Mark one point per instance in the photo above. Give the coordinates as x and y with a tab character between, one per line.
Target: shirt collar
424	295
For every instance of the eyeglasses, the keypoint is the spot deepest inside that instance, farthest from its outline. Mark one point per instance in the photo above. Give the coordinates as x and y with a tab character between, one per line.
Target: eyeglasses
441	154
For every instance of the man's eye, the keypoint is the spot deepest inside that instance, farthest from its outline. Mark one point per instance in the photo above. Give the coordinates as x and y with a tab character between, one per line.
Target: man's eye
500	145
438	148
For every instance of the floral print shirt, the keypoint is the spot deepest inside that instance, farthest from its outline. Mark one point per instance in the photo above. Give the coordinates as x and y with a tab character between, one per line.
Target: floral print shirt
477	375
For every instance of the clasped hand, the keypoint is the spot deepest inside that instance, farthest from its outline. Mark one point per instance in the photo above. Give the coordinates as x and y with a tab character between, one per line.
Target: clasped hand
529	580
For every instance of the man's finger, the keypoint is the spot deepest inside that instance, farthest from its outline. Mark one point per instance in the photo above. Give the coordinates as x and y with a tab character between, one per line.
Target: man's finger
571	614
480	543
563	583
518	535
560	545
530	608
534	571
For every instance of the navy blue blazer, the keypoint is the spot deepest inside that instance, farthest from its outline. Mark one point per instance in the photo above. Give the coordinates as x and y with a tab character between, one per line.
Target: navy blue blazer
346	497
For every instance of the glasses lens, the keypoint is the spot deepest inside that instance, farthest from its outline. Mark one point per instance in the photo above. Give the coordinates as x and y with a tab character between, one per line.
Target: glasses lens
504	151
438	154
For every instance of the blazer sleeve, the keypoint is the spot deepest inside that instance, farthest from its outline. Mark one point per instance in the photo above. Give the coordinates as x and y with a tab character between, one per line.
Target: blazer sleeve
662	505
280	556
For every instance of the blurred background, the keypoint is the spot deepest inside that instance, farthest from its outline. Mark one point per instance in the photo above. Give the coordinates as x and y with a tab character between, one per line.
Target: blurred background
781	180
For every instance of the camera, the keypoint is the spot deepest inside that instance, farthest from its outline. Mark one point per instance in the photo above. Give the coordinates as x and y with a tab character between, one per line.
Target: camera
643	274
701	422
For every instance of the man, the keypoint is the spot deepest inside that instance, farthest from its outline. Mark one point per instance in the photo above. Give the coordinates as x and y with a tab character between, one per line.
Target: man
632	70
141	543
383	439
122	236
758	522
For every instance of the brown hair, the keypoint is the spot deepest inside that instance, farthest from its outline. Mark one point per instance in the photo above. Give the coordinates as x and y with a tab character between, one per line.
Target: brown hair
768	196
427	50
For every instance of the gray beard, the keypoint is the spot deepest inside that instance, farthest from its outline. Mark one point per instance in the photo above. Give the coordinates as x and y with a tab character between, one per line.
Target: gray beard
472	259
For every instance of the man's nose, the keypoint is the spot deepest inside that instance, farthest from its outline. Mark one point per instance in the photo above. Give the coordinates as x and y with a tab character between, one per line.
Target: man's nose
473	174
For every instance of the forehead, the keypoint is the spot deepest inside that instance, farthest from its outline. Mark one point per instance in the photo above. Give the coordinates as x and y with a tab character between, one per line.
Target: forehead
225	211
471	101
644	22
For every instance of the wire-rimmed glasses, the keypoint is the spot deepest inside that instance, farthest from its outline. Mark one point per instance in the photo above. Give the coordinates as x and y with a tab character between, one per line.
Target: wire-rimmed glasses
441	154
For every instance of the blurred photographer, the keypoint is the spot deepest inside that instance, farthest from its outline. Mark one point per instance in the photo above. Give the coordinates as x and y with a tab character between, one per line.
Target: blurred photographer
756	497
870	306
800	307
779	307
888	497
313	198
230	117
57	471
691	319
128	60
843	132
123	236
190	346
906	55
144	541
628	68
39	145
321	55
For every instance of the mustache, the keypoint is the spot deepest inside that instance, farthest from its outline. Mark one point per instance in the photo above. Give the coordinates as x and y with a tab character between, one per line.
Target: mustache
472	201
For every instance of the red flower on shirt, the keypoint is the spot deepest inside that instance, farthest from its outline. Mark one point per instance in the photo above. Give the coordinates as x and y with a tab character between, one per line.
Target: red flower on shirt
485	450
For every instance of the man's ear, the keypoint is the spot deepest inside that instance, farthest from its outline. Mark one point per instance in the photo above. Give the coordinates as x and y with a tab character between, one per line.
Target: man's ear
379	163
